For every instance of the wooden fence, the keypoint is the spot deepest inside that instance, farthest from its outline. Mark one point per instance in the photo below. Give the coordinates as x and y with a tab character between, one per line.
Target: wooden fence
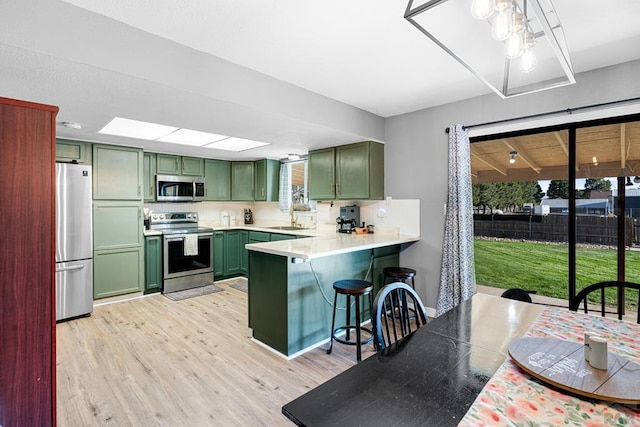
555	228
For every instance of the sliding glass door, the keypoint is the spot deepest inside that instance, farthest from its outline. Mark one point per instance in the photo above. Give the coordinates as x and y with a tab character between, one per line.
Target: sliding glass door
582	230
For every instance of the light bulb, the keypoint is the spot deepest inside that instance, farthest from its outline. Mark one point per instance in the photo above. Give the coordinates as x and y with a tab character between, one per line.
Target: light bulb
502	24
513	46
512	160
482	9
528	61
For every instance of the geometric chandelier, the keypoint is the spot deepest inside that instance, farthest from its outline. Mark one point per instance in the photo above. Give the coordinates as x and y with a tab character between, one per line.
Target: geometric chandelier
514	46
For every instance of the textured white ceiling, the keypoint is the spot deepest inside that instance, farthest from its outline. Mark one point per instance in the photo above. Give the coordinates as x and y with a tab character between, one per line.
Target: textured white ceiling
336	67
361	52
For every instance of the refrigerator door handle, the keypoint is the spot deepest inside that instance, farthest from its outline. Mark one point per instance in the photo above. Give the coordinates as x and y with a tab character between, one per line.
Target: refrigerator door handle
71	267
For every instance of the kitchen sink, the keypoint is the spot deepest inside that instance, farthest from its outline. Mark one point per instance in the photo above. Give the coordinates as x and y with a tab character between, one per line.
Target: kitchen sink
286	227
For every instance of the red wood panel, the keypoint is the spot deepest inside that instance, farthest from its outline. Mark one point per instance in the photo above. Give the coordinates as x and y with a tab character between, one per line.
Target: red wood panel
27	290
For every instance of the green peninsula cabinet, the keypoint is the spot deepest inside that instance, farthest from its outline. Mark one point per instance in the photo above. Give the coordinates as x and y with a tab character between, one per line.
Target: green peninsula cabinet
68	151
347	172
267	180
242	181
152	264
288	310
217	178
117	248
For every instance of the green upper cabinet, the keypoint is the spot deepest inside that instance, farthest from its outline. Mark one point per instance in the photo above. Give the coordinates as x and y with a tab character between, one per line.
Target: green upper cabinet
267	179
356	172
67	151
242	181
217	176
192	166
117	173
360	171
321	169
149	176
168	164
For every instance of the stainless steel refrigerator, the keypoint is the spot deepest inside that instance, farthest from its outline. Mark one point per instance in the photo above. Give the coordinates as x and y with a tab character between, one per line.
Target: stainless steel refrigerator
74	241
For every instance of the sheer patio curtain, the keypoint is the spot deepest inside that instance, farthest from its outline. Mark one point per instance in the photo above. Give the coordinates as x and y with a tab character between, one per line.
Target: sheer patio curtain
457	274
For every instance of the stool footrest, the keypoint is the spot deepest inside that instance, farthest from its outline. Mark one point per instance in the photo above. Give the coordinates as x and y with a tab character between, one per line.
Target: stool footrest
345	328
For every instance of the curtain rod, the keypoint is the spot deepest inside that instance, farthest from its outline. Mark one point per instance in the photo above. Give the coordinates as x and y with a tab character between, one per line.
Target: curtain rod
549	113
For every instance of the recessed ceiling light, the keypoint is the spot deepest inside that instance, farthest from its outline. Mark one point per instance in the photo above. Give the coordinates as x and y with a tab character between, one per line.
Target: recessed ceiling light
236	144
191	137
72	125
136	129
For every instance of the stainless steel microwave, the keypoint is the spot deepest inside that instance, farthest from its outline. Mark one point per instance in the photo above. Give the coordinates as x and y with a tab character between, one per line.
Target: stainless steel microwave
172	188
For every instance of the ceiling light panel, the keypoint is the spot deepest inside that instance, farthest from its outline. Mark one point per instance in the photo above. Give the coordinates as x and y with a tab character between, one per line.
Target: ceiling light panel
191	137
236	144
136	129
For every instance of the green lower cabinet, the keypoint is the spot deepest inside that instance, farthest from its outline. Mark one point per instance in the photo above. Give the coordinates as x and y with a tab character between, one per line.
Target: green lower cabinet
218	254
117	272
152	264
276	237
232	255
244	253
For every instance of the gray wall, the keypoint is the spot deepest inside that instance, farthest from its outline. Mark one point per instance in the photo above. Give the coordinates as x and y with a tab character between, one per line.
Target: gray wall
416	152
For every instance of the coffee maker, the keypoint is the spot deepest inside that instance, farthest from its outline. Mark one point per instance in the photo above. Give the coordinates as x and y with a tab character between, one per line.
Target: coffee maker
349	219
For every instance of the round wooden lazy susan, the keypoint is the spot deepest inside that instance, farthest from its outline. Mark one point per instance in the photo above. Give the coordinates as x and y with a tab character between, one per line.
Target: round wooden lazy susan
562	364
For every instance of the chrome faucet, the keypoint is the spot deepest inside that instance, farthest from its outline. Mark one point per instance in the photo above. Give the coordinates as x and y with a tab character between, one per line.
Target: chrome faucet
294	220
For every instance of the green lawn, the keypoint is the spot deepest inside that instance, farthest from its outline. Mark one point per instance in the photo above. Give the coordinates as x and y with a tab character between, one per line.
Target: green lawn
543	267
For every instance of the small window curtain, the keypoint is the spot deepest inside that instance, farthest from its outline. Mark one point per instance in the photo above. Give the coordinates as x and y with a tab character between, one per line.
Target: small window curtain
457	274
284	188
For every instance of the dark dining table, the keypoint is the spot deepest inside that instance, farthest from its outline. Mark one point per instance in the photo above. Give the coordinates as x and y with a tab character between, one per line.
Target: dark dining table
431	377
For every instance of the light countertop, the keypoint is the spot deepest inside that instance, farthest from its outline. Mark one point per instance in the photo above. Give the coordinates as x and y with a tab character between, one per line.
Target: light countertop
330	244
321	241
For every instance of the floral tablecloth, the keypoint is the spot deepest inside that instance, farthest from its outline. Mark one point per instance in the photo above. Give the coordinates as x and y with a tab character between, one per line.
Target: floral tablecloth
513	398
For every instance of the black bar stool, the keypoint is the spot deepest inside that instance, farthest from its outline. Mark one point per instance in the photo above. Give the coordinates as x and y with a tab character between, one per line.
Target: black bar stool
399	274
357	289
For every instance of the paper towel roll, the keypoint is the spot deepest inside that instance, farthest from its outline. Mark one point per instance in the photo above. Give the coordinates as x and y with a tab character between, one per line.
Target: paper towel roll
598	352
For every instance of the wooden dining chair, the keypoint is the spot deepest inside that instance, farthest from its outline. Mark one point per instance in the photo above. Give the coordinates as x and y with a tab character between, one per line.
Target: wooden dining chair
581	298
398	311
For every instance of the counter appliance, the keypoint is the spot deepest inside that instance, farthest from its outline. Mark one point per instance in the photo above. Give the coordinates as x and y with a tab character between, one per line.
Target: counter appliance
74	241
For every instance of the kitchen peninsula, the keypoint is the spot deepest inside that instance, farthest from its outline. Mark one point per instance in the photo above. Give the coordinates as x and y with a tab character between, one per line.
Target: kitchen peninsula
291	283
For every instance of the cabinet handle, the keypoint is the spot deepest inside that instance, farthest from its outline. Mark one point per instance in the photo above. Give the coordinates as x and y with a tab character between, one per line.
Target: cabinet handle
176	159
139	189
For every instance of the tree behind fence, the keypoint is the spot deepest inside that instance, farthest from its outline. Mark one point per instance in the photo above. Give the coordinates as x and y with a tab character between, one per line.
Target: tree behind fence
554	228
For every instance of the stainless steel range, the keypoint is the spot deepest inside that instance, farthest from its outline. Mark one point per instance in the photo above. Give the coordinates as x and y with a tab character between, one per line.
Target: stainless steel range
187	250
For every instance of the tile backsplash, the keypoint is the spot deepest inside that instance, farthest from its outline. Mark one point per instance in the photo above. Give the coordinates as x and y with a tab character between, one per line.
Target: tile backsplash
403	215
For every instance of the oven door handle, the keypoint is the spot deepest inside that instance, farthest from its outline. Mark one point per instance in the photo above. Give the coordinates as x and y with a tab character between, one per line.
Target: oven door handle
180	237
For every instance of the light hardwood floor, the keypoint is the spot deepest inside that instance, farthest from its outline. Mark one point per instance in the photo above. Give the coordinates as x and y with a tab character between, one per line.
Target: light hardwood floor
156	362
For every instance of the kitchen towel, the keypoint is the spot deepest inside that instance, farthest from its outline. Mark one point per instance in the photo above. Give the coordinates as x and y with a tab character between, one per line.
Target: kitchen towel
191	245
